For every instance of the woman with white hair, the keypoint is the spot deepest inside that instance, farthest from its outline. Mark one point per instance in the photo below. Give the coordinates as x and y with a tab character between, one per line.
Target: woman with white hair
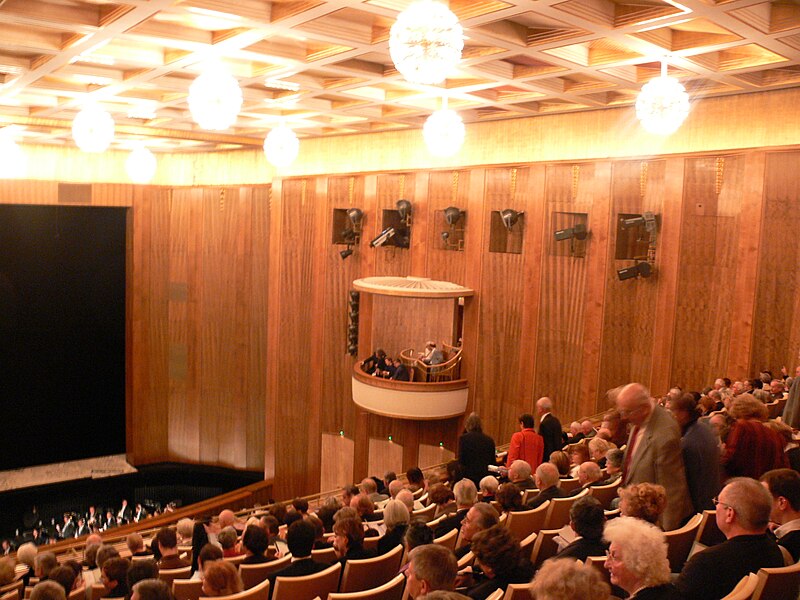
396	518
637	559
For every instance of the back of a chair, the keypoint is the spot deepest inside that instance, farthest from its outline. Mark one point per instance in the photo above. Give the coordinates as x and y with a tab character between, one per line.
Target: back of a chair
324	555
519	591
273	566
170	575
12	595
466	561
252	575
599	563
363	574
679	543
187	589
528	495
558	513
448	540
259	592
496	595
235	560
567	485
98	591
527	544
371	543
744	589
426	514
14	586
523	523
709	533
544	547
308	587
391	590
780	583
605	493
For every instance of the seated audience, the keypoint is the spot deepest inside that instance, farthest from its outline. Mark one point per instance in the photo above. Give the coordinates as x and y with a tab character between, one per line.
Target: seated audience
401	372
254	544
365	508
612	422
791	448
566	579
587	519
561	461
598	447
146	569
115	577
221	578
167	542
135	544
199	540
589	474
376	363
416	480
519	473
645	501
575	434
417	534
578	454
613	465
751	448
432	355
227	539
466	496
510	498
395	518
48	590
45	562
430	568
208	554
324	513
637	559
444	499
300	539
348	493
526	444
784	486
185	528
488	488
743	510
65	577
348	540
587	429
26	555
498	555
370	489
479	518
407	498
151	589
547	480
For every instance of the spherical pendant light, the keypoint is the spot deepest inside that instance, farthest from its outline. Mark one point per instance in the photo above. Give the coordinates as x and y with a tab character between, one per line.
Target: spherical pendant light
141	165
281	146
93	129
663	104
215	98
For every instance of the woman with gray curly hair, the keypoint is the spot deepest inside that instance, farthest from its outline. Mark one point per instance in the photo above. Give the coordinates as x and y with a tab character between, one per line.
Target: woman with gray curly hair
637	559
567	579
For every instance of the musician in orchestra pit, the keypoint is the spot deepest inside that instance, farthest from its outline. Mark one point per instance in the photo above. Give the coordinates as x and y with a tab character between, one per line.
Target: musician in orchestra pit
124	514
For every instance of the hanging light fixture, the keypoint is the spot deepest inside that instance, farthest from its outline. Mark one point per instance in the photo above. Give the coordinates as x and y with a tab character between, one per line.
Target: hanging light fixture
425	42
281	146
663	104
141	164
13	161
443	131
93	129
215	98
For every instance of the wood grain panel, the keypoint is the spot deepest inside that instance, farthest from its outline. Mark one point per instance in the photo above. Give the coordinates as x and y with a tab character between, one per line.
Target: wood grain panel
399	323
336	465
390	260
708	262
629	307
385	455
445	189
434	455
777	321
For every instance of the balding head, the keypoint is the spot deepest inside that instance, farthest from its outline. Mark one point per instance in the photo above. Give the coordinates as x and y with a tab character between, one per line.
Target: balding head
406	497
368	486
226	518
519	471
744	507
589	472
395	486
544	405
634	403
546	476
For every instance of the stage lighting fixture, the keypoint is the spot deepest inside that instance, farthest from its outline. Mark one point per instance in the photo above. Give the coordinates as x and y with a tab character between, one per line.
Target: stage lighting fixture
577	232
633	222
640	269
510	217
452	215
445	236
355	215
383	237
404	208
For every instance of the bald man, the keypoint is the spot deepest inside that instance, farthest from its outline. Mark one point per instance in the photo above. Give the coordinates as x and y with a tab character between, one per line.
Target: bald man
653	452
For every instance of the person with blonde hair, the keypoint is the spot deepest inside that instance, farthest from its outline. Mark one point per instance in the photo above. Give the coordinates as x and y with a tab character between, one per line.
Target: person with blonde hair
396	518
637	559
645	501
597	451
568	579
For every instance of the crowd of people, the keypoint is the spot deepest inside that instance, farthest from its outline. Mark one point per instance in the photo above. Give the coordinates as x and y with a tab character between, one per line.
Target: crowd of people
672	457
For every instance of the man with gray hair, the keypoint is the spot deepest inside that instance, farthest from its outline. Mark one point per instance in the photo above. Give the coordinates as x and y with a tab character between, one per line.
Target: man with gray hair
743	510
549	427
653	453
479	518
519	473
466	495
48	590
45	562
547	480
431	568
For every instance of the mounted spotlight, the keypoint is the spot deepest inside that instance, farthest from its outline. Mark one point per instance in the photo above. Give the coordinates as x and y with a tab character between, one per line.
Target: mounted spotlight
383	237
404	208
452	215
355	215
510	217
633	222
640	269
445	236
346	253
578	232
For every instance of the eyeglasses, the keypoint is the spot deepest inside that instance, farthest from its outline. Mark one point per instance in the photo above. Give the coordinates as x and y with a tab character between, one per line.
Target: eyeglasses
717	501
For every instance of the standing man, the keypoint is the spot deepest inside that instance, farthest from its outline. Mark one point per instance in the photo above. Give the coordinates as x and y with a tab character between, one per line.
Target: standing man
526	444
549	427
653	453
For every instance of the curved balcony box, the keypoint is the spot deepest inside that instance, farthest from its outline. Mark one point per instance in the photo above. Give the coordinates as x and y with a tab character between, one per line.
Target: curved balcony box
404	400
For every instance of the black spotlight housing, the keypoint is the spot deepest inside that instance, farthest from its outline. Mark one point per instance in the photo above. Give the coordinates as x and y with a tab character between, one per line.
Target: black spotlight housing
641	269
346	252
509	217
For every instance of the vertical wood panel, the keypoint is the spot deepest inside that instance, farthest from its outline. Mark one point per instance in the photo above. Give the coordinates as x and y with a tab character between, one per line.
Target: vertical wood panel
336	466
445	189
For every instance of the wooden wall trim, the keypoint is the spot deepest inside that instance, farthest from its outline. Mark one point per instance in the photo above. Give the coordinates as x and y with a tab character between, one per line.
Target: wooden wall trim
276	240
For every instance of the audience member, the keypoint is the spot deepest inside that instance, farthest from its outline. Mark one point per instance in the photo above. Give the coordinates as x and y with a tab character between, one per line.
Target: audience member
430	568
784	486
653	451
587	429
526	444
566	579
476	450
637	560
498	555
442	496
488	488
221	578
395	519
115	577
254	543
561	461
65	577
751	448
199	541
547	480
141	570
645	501
791	448
26	555
575	434
743	511
48	590
227	539
519	473
348	540
587	519
509	498
417	534
578	454
416	481
151	589
699	448
466	495
370	489
432	355
549	427
135	544
45	562
612	422
613	466
167	541
598	447
479	518
300	539
589	474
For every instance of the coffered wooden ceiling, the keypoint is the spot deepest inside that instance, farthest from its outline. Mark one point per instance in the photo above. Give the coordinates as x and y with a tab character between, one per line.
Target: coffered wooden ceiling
324	67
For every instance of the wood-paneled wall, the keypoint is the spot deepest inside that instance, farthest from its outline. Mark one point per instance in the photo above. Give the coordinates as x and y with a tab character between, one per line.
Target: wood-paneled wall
238	300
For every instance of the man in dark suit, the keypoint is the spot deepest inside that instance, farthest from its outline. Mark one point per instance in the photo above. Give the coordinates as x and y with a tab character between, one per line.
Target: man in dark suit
400	371
547	480
549	427
124	514
784	486
300	539
653	452
466	495
479	518
68	528
476	450
586	518
255	542
167	541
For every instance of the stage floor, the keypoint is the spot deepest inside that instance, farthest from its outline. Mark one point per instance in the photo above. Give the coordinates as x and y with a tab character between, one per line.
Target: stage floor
94	468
